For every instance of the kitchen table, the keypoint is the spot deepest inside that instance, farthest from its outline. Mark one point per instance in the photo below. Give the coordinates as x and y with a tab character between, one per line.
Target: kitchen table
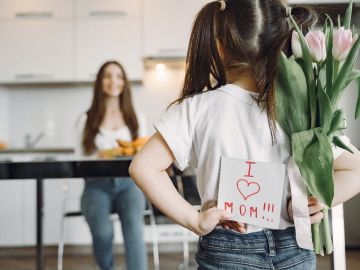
43	170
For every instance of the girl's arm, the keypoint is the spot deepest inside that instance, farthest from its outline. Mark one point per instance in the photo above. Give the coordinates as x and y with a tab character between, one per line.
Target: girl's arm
346	176
148	169
346	184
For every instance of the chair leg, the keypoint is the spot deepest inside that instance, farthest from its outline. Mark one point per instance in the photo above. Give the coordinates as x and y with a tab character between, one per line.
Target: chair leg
155	243
61	244
185	249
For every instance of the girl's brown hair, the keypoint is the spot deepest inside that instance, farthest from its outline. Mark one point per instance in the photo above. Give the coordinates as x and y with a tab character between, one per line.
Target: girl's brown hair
96	112
251	35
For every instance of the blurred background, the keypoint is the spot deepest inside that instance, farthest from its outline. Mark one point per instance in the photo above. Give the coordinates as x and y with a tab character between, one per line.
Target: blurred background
50	51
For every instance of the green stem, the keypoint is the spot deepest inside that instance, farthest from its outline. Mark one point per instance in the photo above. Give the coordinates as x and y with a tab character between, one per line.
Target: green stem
312	101
336	70
326	232
317	241
319	117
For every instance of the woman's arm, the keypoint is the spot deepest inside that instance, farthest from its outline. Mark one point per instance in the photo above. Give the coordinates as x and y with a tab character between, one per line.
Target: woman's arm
346	176
148	169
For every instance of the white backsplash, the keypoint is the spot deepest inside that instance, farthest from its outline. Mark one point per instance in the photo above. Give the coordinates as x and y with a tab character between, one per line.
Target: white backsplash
54	110
4	114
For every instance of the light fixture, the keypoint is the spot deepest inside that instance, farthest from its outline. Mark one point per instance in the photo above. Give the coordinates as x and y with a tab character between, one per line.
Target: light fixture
160	67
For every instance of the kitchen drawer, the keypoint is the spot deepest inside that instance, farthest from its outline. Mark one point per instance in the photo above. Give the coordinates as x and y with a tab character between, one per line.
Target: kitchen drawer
108	8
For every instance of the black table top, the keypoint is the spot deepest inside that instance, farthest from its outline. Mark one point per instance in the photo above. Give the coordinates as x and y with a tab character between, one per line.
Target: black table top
65	168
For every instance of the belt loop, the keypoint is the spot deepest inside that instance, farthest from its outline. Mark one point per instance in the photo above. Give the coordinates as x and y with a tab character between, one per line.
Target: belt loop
271	242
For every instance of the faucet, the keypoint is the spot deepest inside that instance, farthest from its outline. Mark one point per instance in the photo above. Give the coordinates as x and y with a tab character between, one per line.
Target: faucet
30	143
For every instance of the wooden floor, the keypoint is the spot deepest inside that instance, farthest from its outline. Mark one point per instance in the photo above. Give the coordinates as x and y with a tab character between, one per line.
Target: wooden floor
23	259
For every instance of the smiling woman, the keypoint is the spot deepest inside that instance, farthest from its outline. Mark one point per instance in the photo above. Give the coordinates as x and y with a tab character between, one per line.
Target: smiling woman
112	118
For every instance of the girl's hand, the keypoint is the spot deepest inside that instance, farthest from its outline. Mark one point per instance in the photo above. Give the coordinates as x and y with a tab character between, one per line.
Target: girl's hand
209	219
315	207
234	225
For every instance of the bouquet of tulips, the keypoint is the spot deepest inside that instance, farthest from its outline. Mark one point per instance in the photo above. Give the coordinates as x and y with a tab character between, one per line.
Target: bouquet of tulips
309	87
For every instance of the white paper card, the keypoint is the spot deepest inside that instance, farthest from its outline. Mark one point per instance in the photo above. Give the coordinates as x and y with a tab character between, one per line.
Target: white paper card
252	191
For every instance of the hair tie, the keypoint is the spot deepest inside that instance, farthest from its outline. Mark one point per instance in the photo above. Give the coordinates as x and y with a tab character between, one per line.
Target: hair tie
223	5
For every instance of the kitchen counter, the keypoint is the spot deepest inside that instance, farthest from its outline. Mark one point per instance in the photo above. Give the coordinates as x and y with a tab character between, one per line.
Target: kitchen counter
37	150
37	154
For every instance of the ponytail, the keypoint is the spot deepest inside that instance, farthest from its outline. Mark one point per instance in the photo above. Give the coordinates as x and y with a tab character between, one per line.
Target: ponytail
203	61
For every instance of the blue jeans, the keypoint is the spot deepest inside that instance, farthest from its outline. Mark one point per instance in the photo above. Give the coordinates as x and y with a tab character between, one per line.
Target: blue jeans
100	198
269	249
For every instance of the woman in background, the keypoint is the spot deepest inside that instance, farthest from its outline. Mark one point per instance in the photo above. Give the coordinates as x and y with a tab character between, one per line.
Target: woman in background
112	117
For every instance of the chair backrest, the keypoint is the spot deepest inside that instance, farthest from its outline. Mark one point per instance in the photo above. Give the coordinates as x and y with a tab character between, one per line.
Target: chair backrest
186	185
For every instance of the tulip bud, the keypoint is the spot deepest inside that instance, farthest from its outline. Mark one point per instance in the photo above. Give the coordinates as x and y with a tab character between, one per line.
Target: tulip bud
296	45
317	45
343	42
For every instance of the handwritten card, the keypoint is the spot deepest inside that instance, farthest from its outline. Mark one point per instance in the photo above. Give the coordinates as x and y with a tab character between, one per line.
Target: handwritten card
252	191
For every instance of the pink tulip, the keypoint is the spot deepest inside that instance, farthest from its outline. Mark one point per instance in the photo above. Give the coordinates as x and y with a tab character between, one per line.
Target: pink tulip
343	42
296	45
317	45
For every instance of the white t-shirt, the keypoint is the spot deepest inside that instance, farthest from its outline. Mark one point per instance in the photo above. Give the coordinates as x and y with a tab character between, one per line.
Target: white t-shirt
106	139
224	122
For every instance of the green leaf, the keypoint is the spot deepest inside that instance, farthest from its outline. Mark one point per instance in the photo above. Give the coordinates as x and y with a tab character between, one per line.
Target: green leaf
338	122
313	154
326	111
339	143
329	48
355	31
306	63
348	14
344	74
291	88
357	112
354	75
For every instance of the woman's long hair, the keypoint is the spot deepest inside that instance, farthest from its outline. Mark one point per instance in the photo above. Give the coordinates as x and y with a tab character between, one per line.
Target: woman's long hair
96	112
251	35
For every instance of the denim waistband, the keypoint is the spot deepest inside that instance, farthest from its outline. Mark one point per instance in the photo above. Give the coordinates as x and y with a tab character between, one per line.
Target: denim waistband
267	241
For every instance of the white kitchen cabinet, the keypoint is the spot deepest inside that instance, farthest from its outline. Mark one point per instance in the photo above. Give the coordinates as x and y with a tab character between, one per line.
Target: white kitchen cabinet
101	38
11	209
110	8
167	26
36	8
36	50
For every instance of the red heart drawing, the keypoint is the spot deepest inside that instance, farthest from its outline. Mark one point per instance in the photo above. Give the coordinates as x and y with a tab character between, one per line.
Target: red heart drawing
247	188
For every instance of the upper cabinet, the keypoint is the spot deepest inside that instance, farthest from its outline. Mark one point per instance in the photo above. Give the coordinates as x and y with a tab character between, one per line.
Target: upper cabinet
167	26
68	40
37	41
36	9
108	30
36	51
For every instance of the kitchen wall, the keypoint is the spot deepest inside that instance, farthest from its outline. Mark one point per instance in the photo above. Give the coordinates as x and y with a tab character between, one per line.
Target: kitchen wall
4	115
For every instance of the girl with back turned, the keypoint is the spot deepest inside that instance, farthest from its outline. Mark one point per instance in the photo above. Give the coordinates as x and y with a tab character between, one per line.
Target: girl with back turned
227	108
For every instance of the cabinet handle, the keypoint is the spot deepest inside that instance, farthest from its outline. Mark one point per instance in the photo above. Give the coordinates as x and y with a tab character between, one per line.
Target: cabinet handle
27	76
100	13
34	14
